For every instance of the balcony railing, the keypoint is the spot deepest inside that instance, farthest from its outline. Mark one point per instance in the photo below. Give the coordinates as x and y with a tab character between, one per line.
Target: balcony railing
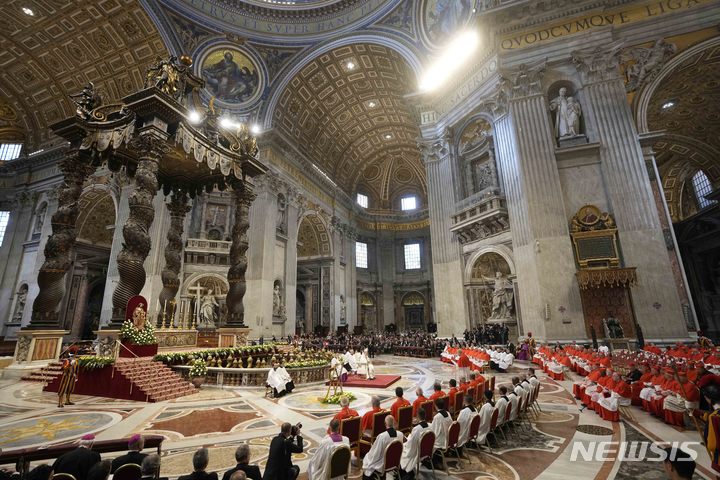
202	245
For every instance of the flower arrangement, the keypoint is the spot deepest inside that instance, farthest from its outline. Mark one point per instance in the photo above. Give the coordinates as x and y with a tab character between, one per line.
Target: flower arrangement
199	368
130	332
335	399
306	363
91	362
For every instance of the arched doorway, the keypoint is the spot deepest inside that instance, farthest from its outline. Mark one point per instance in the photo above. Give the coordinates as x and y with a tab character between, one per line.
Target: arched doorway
489	269
314	273
299	312
367	317
91	254
414	311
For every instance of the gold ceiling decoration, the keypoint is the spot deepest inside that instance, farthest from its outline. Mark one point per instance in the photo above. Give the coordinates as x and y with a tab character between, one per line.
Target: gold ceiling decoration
606	277
687	102
64	46
346	112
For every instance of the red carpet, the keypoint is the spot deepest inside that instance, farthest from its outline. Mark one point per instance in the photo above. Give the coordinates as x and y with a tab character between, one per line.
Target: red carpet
380	381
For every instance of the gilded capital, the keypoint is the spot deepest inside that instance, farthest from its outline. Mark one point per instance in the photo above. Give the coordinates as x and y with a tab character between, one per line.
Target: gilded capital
150	146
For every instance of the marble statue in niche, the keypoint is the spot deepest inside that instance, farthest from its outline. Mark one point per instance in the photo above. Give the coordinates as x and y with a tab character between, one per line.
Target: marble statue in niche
281	214
502	297
20	304
208	310
40	218
343	310
567	115
278	304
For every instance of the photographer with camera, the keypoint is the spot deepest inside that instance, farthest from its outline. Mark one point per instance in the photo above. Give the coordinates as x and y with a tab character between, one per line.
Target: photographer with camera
279	463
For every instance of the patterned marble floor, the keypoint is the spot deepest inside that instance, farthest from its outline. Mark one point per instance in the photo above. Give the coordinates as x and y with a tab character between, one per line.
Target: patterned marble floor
221	418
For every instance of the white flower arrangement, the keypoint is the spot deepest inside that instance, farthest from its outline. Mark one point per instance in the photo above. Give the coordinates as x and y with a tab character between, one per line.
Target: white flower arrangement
146	336
199	368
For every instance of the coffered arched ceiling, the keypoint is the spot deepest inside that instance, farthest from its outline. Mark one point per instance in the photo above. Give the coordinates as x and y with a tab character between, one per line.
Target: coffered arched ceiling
693	88
61	48
347	120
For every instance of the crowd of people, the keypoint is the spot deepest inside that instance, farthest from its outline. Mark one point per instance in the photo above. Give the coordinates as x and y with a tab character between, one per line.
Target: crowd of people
488	334
423	343
679	384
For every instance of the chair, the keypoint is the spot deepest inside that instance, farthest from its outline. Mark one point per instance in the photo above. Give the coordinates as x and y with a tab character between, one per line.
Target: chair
393	453
457	405
378	428
339	463
472	392
492	385
129	471
453	437
63	476
429	408
426	450
493	427
350	428
508	412
480	392
404	423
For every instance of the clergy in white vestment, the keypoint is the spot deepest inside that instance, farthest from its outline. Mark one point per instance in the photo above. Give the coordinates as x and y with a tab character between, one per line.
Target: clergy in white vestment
319	465
285	376
502	404
338	369
518	389
276	380
411	451
515	402
441	424
370	367
648	392
506	360
375	458
532	378
486	413
465	418
349	359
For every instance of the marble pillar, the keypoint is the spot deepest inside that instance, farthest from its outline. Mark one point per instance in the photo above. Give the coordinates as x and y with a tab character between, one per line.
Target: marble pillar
113	276
655	298
177	208
450	312
291	264
542	248
76	168
136	231
244	197
260	275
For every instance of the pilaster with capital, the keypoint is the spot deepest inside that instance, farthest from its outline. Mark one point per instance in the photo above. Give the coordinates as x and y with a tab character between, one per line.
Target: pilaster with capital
244	197
450	314
151	148
655	299
51	277
178	208
542	251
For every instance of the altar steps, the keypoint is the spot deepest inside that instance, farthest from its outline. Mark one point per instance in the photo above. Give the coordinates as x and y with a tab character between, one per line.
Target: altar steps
141	379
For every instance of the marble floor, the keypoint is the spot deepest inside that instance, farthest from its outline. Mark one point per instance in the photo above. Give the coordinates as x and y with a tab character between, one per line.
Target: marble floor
221	418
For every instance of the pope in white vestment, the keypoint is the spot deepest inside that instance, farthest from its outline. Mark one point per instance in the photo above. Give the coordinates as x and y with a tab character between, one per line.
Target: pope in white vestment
349	359
276	380
375	458
319	466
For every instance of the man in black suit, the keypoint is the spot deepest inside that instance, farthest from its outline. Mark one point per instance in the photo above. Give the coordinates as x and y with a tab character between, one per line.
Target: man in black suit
279	463
135	445
201	458
78	462
242	457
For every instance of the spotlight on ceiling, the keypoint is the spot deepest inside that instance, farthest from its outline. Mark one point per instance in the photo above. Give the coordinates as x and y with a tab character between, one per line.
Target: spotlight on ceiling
668	104
372	104
28	11
453	56
388	136
255	129
194	116
227	123
350	65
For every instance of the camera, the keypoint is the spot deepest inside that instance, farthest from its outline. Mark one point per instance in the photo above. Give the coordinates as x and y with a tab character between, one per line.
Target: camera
296	428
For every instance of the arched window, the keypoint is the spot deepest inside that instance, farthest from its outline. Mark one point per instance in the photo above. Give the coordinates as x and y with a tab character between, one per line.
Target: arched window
702	187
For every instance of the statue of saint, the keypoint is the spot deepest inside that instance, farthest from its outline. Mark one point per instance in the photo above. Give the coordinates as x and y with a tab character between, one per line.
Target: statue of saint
502	297
20	304
277	301
614	328
208	315
139	316
343	310
567	115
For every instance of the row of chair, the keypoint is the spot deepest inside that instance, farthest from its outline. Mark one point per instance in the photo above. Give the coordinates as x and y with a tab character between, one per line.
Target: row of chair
129	471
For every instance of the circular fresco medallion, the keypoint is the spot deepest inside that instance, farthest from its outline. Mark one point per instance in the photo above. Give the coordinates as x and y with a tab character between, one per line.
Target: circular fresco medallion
231	75
441	19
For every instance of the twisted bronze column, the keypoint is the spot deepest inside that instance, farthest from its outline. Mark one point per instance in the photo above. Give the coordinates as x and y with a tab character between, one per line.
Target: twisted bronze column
51	278
238	261
178	208
136	246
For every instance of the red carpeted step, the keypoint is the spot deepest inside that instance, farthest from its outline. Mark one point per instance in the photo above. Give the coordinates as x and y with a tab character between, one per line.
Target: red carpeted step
380	381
